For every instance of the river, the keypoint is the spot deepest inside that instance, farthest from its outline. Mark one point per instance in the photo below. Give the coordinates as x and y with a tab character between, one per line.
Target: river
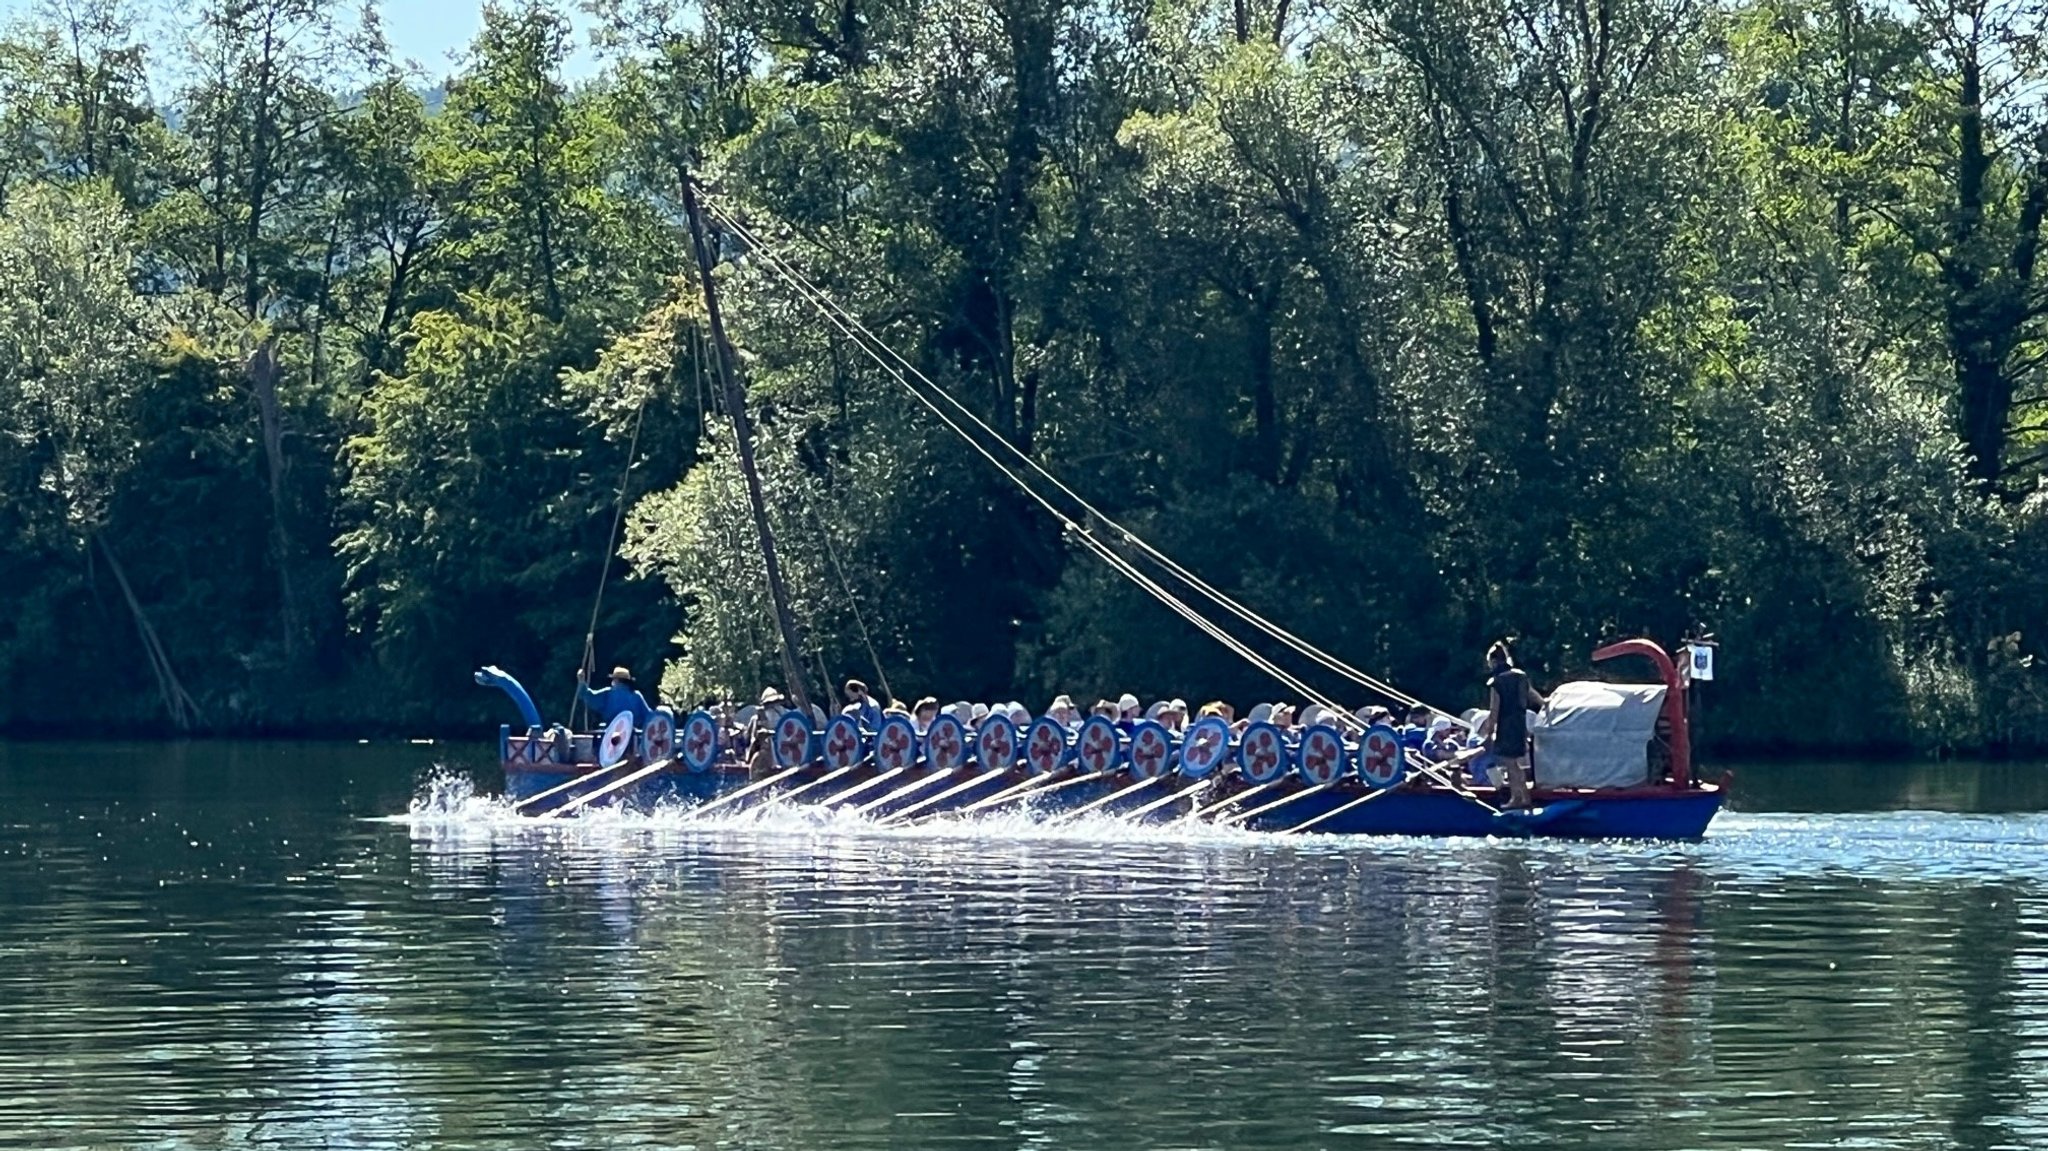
303	945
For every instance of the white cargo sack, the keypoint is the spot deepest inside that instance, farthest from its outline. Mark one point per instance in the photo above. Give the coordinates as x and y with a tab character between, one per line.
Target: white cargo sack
1597	734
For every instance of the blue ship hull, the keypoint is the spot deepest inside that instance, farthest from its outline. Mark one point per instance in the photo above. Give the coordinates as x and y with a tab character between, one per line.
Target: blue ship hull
1657	812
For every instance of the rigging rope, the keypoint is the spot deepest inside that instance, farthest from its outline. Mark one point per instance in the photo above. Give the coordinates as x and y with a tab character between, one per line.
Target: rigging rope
870	343
1100	548
611	545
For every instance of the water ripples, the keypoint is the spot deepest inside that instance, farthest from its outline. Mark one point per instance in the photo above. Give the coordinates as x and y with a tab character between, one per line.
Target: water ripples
291	967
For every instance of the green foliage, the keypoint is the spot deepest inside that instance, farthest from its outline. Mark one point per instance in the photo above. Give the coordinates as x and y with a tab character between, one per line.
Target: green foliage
1410	324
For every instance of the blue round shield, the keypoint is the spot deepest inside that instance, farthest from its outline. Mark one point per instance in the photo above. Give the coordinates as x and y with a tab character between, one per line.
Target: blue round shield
1263	754
996	745
945	744
1380	759
1151	751
1204	748
1097	747
698	741
1320	759
896	743
792	740
658	738
1045	746
844	745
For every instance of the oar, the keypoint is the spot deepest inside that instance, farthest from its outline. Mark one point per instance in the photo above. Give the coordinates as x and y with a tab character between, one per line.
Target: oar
1240	818
1429	769
1188	793
586	777
1230	800
585	800
865	785
821	781
1033	787
750	789
1106	800
1334	812
908	789
932	801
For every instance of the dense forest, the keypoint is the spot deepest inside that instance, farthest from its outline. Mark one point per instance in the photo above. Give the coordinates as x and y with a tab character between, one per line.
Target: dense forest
1413	323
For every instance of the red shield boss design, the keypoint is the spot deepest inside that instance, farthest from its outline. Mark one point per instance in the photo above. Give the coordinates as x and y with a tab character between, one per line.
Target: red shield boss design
1150	750
945	744
660	734
842	742
1046	746
1097	747
1203	748
895	744
1379	757
792	741
1322	755
996	744
700	741
1263	755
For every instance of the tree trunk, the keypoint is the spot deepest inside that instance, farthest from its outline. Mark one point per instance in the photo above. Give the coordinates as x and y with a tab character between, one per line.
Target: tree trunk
263	382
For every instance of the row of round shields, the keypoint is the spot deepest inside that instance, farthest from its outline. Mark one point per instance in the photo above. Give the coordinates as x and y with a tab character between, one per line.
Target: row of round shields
657	740
1263	754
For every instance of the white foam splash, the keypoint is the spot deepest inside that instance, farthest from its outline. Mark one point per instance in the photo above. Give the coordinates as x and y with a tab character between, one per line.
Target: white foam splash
449	803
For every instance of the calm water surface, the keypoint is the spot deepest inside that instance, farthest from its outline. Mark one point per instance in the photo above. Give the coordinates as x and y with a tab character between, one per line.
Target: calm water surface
255	945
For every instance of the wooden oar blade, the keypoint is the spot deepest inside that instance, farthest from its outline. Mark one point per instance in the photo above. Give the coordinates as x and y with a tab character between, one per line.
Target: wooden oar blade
585	800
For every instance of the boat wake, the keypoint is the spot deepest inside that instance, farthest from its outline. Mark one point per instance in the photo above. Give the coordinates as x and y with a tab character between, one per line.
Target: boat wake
1749	846
450	804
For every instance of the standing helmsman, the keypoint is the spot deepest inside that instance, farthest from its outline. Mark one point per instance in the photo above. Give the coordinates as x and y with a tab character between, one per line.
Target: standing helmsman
621	696
1510	699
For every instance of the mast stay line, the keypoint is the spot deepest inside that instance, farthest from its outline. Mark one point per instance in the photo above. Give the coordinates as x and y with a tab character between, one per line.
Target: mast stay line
874	347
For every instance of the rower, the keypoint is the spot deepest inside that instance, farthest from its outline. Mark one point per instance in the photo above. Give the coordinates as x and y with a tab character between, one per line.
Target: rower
616	699
862	706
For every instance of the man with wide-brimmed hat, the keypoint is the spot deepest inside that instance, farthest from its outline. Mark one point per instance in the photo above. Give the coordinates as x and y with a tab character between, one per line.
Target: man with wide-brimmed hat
621	696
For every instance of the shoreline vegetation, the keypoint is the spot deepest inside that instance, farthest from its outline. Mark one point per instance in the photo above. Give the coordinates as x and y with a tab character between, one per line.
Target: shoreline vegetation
325	381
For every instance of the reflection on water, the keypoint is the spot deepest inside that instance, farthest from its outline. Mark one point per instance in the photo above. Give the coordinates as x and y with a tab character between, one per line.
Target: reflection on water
229	946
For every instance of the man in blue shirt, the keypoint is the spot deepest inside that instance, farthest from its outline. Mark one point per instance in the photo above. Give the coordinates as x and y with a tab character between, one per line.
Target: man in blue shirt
621	696
862	706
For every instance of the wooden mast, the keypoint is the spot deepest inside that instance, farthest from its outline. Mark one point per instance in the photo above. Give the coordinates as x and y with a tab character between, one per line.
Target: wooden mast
743	435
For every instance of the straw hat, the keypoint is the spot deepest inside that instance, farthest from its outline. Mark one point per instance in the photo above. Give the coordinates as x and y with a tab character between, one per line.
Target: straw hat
1156	710
770	695
1061	701
1261	713
622	673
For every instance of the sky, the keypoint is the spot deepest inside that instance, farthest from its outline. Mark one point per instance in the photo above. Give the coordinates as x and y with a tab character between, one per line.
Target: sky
432	33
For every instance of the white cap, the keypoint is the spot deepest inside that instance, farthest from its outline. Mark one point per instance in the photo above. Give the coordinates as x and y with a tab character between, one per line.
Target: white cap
1155	710
1260	713
1019	714
1127	702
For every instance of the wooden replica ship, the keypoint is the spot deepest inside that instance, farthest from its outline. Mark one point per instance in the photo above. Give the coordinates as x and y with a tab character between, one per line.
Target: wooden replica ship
1610	761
